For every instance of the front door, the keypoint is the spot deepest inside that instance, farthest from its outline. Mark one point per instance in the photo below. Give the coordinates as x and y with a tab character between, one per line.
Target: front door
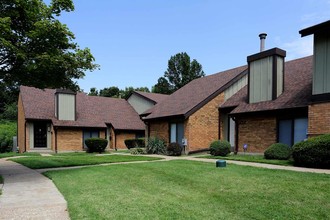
40	135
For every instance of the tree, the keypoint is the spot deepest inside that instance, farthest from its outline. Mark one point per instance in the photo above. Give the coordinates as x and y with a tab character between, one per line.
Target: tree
93	92
162	86
128	90
180	71
112	91
36	49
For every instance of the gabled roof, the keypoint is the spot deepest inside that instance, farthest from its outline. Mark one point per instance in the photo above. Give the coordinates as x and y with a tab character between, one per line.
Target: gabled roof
153	97
91	111
297	90
194	95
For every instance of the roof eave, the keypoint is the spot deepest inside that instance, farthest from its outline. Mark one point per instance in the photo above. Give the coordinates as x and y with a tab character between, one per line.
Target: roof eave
322	27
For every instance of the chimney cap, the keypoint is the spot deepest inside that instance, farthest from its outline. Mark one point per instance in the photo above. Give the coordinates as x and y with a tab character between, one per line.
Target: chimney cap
262	35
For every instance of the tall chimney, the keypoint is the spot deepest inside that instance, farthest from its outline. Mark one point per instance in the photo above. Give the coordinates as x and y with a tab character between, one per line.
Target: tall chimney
262	41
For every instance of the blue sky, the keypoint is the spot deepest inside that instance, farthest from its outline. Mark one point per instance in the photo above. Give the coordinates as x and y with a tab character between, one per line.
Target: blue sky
132	40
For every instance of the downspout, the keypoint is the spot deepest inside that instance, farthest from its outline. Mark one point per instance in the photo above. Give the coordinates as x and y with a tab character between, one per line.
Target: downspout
236	134
24	136
114	132
219	125
55	134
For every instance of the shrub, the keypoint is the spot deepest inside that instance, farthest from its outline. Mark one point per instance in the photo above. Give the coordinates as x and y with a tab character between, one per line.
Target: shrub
314	152
7	132
96	145
155	145
278	151
138	150
174	149
136	142
220	148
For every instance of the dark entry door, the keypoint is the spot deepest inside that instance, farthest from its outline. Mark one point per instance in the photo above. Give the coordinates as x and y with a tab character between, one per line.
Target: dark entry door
40	135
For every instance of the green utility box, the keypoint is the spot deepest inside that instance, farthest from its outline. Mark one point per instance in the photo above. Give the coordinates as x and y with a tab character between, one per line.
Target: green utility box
220	163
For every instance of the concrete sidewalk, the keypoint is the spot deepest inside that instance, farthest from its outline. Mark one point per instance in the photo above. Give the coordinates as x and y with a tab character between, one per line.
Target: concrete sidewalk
26	194
262	165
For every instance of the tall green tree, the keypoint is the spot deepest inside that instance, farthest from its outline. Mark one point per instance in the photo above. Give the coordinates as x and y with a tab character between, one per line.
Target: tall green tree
93	92
36	49
112	91
162	86
180	71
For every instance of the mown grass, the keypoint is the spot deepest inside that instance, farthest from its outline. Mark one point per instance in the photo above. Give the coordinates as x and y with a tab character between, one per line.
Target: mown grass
251	158
14	154
192	190
67	160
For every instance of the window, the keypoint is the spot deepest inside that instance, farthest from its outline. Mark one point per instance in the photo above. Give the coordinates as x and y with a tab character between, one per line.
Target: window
176	132
291	131
90	134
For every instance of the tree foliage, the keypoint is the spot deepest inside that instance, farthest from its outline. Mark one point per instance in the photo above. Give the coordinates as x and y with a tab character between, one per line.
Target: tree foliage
162	86
180	71
112	91
115	92
36	49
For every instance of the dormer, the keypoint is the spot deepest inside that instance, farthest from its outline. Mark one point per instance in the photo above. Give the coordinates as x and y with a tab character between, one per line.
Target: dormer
266	74
65	104
321	62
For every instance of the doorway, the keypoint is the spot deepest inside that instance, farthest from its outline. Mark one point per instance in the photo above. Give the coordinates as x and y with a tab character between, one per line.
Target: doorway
40	135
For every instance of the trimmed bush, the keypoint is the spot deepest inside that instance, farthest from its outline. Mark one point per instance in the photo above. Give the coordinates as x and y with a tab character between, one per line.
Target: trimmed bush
136	142
314	152
220	148
174	149
96	145
278	151
138	150
155	145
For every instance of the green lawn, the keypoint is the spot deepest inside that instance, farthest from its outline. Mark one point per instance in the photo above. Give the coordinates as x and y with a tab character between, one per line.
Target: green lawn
78	159
14	154
192	190
251	158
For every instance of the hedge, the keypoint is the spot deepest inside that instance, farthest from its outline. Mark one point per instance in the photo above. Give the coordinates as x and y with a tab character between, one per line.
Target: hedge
96	145
278	151
314	152
220	148
135	143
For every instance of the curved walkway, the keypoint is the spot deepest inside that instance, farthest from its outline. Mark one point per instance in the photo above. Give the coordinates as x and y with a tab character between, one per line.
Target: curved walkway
27	194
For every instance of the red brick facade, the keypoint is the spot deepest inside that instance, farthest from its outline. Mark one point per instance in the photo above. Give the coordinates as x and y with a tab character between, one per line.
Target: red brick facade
318	119
257	132
202	127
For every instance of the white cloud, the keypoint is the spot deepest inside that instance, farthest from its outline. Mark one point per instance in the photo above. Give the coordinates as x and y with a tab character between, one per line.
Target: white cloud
298	48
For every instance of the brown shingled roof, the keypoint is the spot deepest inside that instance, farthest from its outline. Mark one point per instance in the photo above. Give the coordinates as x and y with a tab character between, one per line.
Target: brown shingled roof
92	111
297	90
154	97
192	96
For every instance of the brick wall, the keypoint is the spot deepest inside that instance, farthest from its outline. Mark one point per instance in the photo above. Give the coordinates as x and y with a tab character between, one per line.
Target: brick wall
121	137
257	132
20	125
159	129
69	139
318	119
202	127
